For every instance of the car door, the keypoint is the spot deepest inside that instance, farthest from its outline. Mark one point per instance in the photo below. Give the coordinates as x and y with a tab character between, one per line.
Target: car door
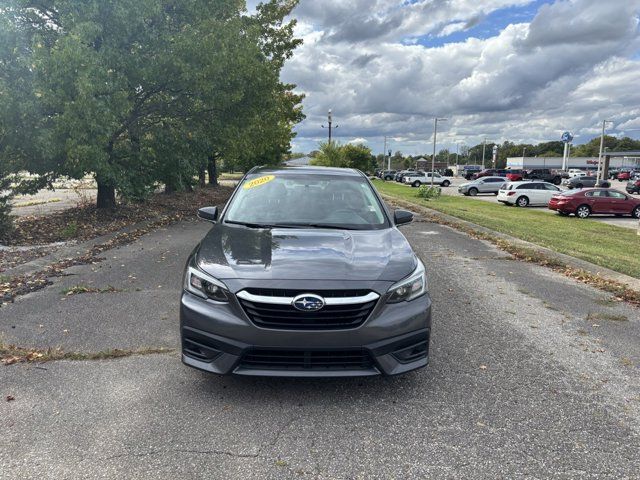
598	201
494	184
547	192
534	193
618	202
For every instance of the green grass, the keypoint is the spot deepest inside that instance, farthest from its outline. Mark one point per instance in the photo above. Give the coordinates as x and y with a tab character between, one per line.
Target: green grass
70	231
605	245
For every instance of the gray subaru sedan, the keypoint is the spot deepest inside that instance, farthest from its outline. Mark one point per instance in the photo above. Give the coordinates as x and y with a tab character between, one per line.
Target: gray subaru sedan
305	273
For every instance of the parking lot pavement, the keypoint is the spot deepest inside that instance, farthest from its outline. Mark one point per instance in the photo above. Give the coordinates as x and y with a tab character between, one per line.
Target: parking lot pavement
626	222
531	375
49	201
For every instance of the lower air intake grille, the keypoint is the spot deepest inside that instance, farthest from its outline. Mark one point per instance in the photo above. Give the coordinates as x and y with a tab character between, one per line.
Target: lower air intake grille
318	360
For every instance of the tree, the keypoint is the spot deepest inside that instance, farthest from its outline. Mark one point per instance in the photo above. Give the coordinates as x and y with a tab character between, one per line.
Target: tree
330	154
145	92
357	156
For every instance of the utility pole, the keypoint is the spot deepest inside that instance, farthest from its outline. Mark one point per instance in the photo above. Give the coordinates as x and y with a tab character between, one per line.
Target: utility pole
484	147
331	127
384	152
457	152
435	135
524	149
604	126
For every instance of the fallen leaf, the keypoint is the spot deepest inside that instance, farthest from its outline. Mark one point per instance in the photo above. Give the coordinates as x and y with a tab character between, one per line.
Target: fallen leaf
10	398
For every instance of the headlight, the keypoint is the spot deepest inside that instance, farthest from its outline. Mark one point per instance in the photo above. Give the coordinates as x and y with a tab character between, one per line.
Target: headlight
411	287
205	286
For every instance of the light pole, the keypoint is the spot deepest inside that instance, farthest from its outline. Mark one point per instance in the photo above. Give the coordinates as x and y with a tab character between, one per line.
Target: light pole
435	135
384	153
524	149
331	127
484	147
604	126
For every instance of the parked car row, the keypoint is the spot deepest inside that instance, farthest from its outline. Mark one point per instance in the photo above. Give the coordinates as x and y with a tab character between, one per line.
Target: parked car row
580	202
517	175
624	174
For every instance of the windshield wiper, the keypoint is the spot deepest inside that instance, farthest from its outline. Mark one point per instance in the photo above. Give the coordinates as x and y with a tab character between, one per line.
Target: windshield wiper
318	225
257	225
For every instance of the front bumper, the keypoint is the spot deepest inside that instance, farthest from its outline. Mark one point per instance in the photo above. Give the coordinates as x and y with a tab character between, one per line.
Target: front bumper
219	339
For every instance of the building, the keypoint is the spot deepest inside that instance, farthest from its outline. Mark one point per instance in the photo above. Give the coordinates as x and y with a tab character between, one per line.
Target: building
425	165
583	163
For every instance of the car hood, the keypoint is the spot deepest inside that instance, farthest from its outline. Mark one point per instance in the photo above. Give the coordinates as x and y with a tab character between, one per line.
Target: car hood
237	252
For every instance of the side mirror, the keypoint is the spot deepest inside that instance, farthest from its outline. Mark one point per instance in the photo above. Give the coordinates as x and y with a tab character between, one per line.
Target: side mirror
402	217
210	214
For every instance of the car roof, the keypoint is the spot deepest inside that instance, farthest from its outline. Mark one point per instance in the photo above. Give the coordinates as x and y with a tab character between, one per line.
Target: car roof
525	182
308	170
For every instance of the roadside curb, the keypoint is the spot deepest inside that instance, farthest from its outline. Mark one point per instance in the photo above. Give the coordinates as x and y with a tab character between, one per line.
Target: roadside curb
71	251
573	262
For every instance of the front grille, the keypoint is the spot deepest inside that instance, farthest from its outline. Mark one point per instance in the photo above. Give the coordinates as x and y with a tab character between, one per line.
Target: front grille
319	360
330	317
278	292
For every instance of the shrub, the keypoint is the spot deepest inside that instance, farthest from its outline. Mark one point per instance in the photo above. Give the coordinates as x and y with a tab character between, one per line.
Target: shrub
428	192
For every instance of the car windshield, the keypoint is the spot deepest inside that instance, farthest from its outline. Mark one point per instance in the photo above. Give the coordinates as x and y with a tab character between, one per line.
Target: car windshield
299	200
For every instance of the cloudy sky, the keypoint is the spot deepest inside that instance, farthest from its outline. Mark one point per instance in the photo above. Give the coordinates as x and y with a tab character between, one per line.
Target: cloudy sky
524	70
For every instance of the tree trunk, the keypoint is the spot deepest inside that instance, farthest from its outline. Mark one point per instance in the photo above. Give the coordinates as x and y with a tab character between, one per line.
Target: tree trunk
212	170
169	189
106	195
202	176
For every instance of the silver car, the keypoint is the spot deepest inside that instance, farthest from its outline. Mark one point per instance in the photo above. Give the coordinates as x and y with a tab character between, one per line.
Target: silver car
482	185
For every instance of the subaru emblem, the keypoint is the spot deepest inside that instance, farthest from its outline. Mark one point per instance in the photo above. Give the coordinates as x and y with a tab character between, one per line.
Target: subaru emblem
308	302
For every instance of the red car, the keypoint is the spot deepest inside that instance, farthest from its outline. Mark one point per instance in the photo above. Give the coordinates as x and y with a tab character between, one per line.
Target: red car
595	201
514	176
624	176
487	172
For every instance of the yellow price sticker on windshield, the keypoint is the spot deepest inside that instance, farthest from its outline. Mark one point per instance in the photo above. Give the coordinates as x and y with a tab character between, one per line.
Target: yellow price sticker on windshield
257	182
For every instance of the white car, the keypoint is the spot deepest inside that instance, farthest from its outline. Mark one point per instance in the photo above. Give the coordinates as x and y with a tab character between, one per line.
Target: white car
415	180
523	194
576	172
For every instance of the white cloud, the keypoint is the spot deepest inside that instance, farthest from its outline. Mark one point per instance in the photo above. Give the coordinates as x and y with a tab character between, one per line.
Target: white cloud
574	64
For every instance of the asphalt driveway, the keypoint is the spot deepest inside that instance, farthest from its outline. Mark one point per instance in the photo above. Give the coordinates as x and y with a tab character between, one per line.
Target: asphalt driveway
531	375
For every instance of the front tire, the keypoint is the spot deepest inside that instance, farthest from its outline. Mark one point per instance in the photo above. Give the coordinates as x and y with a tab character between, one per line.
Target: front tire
473	192
579	186
416	183
446	183
636	212
583	211
522	202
